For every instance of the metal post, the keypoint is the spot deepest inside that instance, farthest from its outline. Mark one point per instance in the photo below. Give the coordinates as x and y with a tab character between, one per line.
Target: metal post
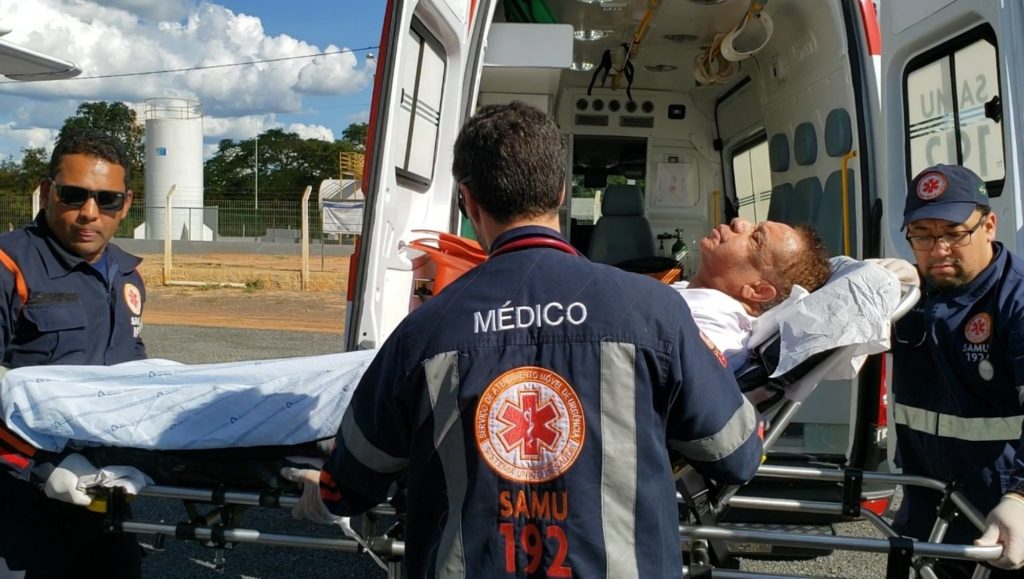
256	185
305	238
167	234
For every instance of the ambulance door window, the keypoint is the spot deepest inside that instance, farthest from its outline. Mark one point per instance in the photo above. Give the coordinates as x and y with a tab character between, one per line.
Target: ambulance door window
953	108
752	177
420	113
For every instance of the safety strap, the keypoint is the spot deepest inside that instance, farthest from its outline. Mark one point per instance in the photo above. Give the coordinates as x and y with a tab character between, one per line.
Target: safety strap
853	482
901	554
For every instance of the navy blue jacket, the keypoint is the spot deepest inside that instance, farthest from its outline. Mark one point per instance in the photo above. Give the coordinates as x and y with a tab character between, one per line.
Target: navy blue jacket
958	384
529	408
73	314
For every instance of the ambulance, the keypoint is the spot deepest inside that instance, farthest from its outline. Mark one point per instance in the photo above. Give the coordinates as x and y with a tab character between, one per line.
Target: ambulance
712	109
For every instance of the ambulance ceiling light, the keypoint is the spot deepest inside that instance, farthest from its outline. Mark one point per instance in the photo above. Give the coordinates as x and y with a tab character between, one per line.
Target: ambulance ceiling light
607	4
582	65
591	34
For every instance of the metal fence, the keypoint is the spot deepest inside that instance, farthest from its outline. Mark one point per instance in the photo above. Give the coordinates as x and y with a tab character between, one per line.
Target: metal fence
271	221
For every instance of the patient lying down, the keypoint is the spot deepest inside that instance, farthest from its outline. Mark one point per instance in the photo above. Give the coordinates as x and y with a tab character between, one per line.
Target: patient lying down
745	269
160	405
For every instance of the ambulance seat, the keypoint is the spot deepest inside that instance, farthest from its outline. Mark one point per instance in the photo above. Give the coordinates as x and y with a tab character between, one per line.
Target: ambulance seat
622	233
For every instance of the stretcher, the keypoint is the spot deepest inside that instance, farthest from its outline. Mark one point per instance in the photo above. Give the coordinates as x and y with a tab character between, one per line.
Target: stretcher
218	485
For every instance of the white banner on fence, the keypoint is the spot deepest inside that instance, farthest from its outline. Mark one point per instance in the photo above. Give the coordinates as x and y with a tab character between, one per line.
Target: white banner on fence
341	204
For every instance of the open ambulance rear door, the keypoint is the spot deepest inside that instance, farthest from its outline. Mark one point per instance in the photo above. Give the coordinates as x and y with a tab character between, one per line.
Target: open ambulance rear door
426	81
949	69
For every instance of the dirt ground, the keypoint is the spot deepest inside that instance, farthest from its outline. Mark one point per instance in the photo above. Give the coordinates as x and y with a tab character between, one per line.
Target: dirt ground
271	299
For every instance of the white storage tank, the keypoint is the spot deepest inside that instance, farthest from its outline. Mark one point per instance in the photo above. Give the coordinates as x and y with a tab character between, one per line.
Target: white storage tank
174	156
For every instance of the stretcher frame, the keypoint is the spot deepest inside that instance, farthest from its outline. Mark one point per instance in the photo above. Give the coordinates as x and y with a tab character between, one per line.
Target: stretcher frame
703	542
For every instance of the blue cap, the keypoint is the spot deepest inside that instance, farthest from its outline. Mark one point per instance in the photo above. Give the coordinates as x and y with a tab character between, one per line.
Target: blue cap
948	192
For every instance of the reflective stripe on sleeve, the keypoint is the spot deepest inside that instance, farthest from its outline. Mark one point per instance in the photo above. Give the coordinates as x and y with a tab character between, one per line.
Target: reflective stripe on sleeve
982	429
442	374
724	442
364	451
619	459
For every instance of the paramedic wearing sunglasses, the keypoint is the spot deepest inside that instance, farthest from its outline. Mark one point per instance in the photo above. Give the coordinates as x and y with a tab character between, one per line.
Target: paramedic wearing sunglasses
69	297
529	407
958	381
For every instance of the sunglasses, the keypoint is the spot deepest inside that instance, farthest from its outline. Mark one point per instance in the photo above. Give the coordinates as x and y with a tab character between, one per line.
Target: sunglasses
75	197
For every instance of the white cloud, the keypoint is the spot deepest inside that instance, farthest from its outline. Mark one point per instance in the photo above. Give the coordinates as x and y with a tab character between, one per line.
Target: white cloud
127	36
159	10
305	131
27	138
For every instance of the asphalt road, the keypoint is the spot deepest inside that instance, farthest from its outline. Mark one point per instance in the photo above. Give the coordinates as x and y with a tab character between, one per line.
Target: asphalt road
186	559
181	559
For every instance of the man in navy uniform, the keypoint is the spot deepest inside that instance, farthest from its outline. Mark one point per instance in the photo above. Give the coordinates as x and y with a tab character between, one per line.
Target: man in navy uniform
958	379
69	297
530	405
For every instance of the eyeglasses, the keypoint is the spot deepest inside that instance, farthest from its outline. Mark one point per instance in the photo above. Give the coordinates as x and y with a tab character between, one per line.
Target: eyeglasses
951	239
76	197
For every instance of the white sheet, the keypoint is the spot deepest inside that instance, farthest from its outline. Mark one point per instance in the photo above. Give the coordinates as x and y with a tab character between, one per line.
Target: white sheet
154	404
853	308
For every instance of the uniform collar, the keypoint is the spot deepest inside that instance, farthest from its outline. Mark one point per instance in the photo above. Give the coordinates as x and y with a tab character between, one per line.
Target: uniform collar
59	261
524	232
980	285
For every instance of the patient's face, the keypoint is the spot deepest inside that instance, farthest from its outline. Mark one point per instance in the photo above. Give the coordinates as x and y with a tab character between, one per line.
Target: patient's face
740	253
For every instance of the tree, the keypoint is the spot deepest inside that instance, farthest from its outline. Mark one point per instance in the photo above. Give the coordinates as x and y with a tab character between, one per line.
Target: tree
356	134
119	120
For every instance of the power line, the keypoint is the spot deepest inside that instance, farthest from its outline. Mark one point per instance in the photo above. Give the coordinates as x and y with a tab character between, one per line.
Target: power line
206	67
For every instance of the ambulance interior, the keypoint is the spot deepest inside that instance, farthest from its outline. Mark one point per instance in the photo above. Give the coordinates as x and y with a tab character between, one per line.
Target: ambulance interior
764	137
671	141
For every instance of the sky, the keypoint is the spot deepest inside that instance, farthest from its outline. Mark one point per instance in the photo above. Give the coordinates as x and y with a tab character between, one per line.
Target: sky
314	97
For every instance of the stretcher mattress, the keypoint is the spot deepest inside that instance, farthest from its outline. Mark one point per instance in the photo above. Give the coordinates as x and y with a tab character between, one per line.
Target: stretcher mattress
157	404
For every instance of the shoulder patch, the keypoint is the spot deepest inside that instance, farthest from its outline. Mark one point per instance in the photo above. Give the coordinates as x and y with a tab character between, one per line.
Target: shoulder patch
714	349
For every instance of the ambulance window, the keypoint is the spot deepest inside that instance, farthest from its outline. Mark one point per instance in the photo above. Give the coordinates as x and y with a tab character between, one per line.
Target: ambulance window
752	178
419	115
953	108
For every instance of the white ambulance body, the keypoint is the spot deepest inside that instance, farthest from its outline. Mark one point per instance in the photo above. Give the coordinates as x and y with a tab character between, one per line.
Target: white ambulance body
788	135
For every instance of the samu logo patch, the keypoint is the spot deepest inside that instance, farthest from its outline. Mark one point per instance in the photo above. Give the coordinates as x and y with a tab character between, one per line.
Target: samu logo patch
529	425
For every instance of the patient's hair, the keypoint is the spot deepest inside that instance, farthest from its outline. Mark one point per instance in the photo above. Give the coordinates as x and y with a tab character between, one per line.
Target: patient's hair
808	268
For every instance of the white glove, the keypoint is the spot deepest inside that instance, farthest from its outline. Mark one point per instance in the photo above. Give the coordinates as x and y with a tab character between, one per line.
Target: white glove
1006	528
901	268
62	485
310	506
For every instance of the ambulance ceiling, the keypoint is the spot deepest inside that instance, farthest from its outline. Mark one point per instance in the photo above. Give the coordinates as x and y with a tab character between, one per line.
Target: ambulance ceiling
678	29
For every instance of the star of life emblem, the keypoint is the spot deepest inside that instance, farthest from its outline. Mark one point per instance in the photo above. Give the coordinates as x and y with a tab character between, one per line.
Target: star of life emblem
133	298
529	425
978	328
931	186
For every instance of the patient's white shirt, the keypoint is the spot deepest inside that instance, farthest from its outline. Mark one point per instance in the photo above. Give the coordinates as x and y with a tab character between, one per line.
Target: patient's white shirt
722	319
